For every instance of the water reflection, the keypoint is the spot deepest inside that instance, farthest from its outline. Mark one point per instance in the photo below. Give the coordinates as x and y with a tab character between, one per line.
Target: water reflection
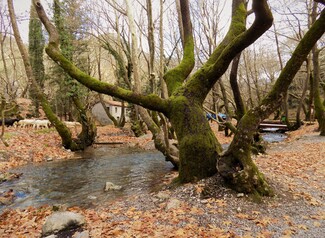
269	137
81	182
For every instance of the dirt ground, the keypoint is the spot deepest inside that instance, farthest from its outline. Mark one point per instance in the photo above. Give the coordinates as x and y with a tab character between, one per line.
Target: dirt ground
295	168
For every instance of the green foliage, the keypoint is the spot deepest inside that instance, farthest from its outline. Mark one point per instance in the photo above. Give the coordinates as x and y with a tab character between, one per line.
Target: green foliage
36	46
72	49
36	49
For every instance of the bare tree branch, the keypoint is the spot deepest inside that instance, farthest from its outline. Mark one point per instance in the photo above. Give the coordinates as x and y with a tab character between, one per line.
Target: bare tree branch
151	101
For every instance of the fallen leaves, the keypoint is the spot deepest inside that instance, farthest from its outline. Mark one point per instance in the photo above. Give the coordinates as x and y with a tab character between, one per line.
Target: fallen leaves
298	168
27	145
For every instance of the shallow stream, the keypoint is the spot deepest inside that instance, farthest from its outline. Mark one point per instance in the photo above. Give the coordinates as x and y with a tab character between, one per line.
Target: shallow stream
274	137
81	181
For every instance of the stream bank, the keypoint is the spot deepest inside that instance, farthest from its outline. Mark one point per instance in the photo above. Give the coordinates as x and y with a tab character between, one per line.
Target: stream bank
294	167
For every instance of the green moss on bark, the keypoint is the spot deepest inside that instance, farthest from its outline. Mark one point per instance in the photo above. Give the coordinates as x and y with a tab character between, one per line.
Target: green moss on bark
198	145
241	173
236	165
175	77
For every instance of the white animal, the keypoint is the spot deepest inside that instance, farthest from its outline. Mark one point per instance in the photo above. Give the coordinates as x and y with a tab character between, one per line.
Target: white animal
33	123
26	123
37	124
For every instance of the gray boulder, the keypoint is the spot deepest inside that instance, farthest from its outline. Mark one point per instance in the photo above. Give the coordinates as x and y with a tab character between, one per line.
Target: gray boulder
60	221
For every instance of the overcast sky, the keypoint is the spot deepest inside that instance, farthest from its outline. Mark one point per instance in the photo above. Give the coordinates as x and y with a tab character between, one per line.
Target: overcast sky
22	8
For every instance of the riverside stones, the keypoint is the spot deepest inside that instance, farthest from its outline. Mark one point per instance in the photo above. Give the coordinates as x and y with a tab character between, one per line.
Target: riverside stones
111	186
60	221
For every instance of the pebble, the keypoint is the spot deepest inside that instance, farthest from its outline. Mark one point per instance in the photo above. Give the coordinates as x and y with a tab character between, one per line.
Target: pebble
92	197
240	195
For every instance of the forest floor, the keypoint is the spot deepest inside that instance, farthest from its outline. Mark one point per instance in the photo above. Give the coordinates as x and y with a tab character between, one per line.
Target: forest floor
295	168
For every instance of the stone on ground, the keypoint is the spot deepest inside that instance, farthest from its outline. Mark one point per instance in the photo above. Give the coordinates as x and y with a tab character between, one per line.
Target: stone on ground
60	221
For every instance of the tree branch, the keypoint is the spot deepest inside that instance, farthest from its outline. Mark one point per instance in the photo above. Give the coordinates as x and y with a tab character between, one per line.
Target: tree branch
152	102
176	76
236	40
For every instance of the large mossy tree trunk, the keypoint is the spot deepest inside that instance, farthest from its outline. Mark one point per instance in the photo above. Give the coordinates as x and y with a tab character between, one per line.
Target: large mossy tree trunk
198	146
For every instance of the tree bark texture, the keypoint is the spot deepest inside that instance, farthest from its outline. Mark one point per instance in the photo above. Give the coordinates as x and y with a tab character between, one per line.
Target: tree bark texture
198	146
319	105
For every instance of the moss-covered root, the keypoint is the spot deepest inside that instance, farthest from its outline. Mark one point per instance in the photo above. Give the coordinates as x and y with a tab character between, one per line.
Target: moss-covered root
243	176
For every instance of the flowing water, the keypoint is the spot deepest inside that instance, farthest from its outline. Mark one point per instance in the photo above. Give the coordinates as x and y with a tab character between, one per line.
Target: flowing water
269	137
81	181
274	137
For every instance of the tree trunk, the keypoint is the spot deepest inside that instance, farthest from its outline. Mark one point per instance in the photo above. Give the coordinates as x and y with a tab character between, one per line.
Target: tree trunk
198	145
236	164
89	131
285	105
151	43
3	111
8	90
110	116
164	90
310	107
255	78
304	92
157	133
319	105
240	107
250	95
225	97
